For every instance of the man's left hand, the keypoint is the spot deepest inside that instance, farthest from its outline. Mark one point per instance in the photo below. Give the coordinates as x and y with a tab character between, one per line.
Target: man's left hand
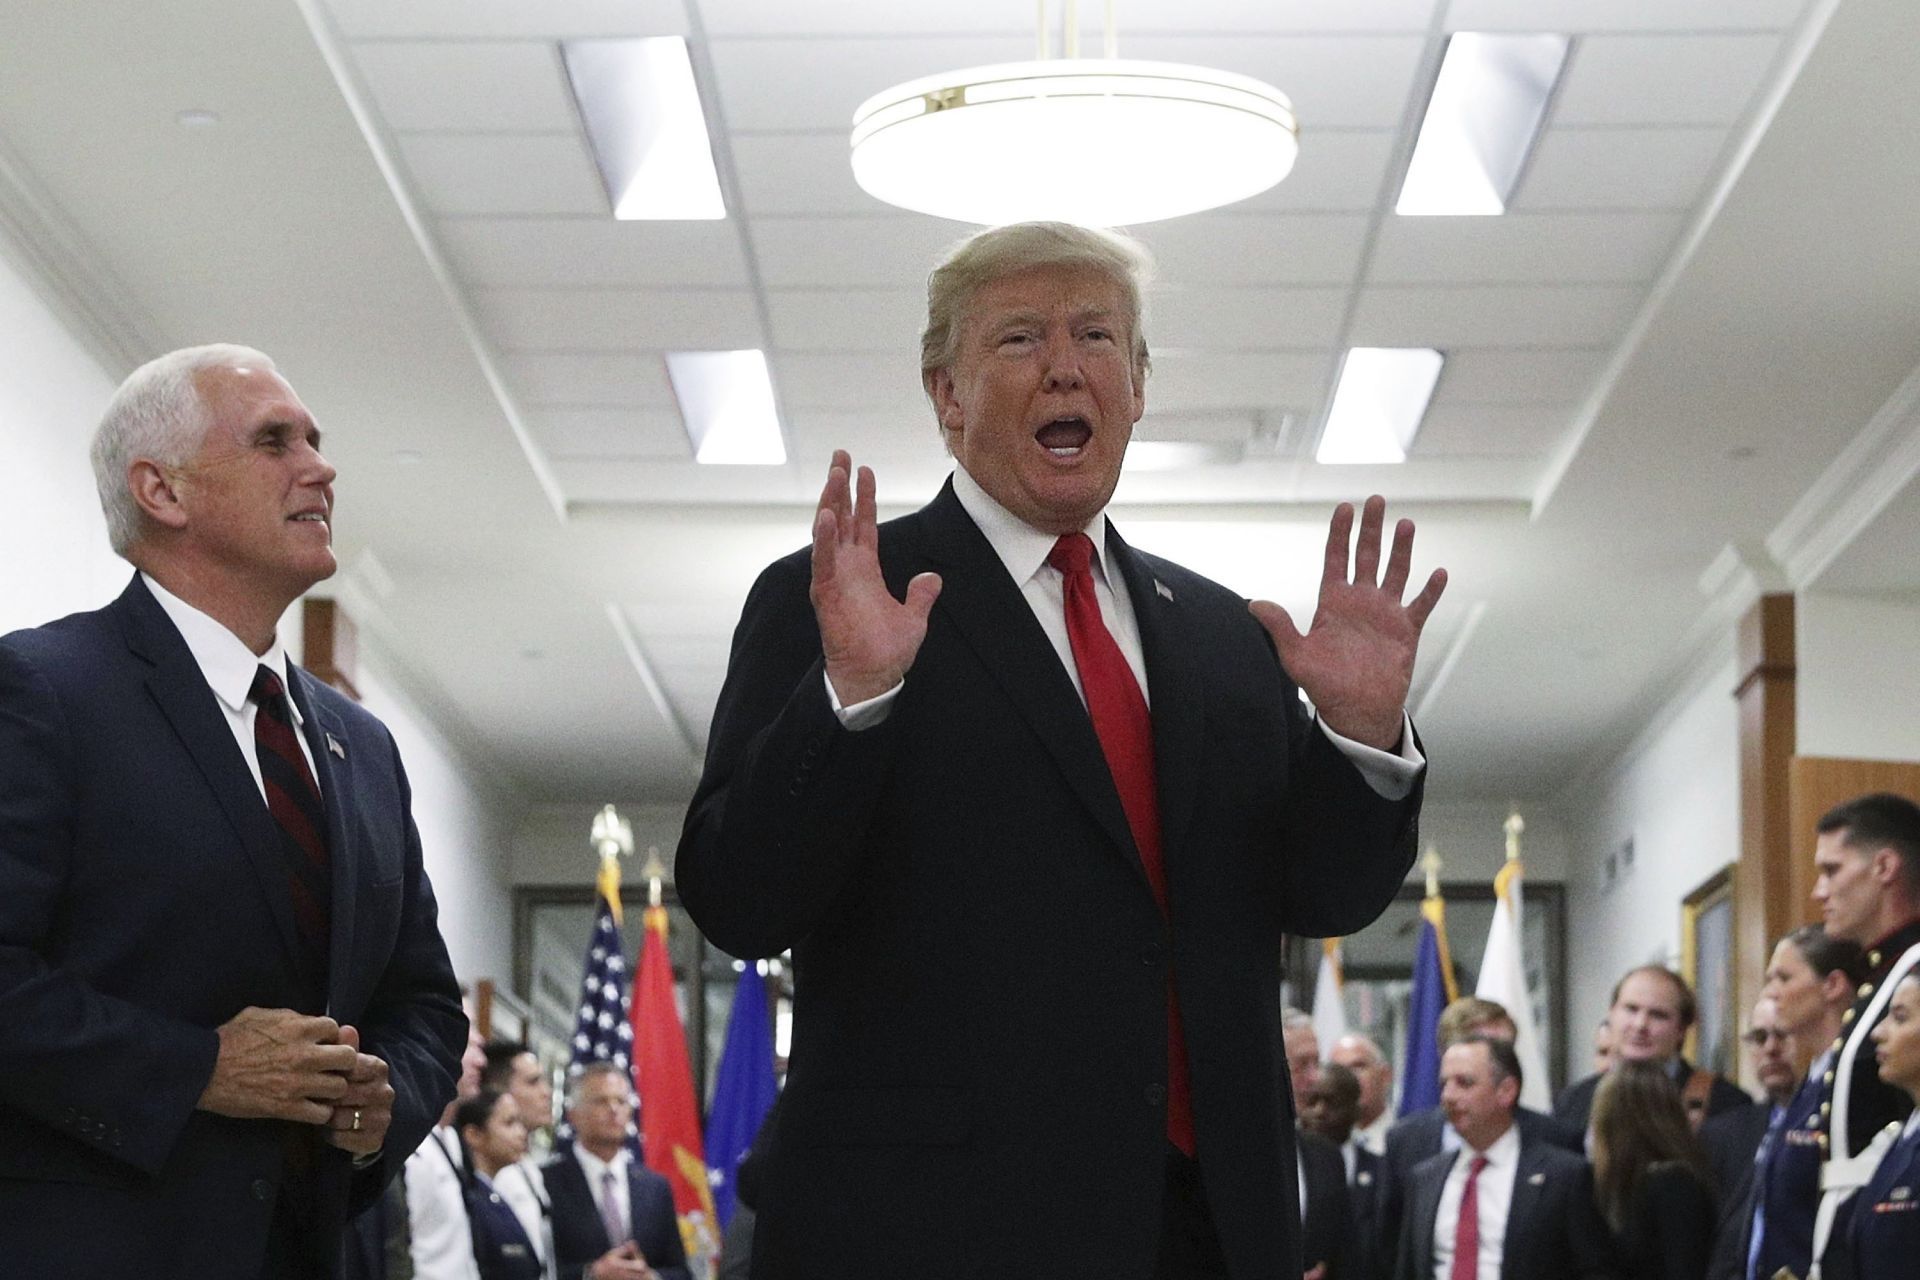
361	1116
1356	661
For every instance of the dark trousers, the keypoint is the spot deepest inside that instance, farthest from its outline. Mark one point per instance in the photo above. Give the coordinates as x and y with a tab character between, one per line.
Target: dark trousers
1189	1245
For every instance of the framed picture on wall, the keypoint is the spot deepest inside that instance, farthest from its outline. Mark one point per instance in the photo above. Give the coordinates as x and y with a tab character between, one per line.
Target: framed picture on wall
1706	961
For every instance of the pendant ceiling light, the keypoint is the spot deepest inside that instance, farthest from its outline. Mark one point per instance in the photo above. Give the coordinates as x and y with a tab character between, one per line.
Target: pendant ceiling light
1097	141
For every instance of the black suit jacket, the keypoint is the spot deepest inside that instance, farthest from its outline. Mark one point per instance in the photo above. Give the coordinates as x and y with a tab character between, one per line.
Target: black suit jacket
1417	1138
1327	1228
143	902
1554	1231
1574	1107
1372	1254
979	1061
579	1236
1731	1141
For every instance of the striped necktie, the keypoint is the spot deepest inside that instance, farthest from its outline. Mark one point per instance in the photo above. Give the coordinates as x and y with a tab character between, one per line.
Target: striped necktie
293	798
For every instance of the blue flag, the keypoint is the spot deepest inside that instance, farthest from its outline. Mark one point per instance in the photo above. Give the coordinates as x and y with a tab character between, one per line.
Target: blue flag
743	1089
1432	990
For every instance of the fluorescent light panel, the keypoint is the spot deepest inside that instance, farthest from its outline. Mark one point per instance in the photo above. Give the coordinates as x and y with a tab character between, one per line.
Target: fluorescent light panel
1379	402
726	405
1482	120
649	135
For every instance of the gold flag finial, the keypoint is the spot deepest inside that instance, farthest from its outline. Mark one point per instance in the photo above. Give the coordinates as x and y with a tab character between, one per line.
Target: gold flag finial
612	838
1432	864
1514	825
655	871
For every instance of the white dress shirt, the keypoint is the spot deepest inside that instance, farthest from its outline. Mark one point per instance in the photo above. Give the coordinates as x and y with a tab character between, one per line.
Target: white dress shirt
1024	550
440	1235
594	1167
228	666
1374	1136
1494	1195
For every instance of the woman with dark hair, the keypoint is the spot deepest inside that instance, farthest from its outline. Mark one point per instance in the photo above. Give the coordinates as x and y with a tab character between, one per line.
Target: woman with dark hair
490	1126
1649	1176
1885	1226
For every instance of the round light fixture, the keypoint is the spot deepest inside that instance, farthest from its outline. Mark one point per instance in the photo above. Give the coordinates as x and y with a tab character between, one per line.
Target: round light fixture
1096	141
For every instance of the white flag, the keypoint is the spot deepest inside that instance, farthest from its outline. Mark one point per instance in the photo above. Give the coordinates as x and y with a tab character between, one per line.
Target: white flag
1503	977
1329	1009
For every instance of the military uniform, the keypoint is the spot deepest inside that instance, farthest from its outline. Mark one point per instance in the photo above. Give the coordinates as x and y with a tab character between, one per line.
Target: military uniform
1884	1240
1858	1104
1786	1182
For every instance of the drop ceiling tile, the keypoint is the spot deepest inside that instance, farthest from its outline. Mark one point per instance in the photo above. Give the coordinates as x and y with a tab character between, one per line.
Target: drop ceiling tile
504	174
1185	382
1251	249
886	320
595	251
496	85
472	19
1245	319
584	320
762	18
1621	15
885	383
1336	170
869	437
1577	168
1346	82
1601	248
886	251
867	17
799	173
622	380
783	85
1462	431
1296	15
577	434
1665	80
1518	376
1493	315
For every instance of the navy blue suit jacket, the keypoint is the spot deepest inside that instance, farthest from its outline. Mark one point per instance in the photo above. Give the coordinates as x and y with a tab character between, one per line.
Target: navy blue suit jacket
1554	1229
579	1236
143	903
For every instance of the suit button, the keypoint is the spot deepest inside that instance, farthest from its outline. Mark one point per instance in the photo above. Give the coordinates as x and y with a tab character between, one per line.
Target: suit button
1151	954
1156	1094
262	1190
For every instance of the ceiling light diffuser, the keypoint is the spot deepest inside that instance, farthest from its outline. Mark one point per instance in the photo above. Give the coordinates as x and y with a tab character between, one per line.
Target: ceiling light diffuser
1485	113
644	121
1378	404
726	405
1095	141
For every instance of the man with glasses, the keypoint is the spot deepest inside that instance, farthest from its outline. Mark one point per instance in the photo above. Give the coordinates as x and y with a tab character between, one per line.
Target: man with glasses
1734	1141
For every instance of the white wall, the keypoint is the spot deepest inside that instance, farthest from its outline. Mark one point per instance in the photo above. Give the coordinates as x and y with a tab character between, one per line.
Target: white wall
1676	794
54	558
1472	843
1857	688
551	845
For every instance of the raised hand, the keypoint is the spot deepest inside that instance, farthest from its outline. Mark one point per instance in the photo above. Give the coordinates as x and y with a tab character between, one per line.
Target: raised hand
1356	661
868	637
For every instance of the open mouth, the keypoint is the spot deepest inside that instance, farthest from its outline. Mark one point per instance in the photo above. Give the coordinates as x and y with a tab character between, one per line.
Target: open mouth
1065	437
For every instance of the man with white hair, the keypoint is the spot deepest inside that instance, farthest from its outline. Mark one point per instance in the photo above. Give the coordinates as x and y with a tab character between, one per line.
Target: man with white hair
1360	1055
226	1012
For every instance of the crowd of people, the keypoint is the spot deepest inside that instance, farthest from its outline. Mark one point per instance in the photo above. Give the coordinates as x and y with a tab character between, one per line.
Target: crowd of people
1652	1168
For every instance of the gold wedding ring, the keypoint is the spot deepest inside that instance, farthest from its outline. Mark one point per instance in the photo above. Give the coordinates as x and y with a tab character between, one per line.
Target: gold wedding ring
355	1126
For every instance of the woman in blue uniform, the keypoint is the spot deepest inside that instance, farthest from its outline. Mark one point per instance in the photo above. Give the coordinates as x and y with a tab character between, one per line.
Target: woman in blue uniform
490	1125
1886	1213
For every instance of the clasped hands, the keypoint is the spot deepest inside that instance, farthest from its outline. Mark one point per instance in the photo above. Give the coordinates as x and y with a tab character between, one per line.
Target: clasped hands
1355	660
276	1064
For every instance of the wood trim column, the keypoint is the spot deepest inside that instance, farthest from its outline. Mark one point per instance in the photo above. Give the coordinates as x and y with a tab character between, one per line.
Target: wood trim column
330	645
1763	905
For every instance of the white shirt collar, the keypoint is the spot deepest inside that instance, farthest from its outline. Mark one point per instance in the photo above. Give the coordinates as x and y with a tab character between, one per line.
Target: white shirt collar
1021	547
594	1166
1505	1150
223	658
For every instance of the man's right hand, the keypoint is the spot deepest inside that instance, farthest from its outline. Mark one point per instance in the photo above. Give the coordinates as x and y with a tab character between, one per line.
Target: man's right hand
624	1262
276	1064
868	637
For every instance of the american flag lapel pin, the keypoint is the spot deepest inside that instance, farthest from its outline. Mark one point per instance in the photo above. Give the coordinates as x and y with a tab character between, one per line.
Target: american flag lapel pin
1537	1180
333	745
1165	591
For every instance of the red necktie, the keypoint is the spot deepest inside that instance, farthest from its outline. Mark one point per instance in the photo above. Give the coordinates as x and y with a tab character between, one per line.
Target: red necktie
1466	1235
1125	730
294	801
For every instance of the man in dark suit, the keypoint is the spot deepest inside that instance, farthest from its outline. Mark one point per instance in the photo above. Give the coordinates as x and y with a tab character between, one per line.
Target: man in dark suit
613	1217
1733	1141
1651	1009
1329	1109
1500	1201
1034	848
226	1013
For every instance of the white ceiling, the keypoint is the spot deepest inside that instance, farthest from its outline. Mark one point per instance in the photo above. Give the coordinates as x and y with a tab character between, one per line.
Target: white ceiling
1707	287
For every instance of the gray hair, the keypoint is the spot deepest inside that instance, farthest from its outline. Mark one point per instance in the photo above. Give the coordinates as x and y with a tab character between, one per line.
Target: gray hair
1292	1019
999	252
157	414
578	1079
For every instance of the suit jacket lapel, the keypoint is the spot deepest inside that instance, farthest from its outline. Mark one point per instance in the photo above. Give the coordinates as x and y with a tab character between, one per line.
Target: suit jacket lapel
986	608
177	686
1174	687
320	725
1524	1208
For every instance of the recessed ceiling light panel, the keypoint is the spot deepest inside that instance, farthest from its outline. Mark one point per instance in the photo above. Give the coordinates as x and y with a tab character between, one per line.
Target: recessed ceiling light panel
1485	113
643	118
726	405
1378	404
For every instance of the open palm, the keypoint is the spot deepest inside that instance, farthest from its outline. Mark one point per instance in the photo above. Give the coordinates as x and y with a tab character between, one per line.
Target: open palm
869	638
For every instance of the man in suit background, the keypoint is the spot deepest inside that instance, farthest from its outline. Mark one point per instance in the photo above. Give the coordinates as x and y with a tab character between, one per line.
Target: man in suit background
1329	1110
1326	1207
1360	1055
1035	846
226	1012
613	1217
1502	1207
1733	1141
1651	1009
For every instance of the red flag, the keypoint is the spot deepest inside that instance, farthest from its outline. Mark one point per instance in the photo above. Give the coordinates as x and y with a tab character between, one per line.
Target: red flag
663	1077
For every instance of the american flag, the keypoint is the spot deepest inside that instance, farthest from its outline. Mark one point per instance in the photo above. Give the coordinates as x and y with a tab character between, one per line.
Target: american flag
601	1032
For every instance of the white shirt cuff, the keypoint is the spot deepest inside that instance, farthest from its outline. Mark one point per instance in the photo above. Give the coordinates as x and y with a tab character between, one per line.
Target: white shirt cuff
862	715
1390	775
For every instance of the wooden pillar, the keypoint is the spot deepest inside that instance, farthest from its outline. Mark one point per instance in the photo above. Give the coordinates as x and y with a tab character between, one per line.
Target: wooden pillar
1764	905
330	646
